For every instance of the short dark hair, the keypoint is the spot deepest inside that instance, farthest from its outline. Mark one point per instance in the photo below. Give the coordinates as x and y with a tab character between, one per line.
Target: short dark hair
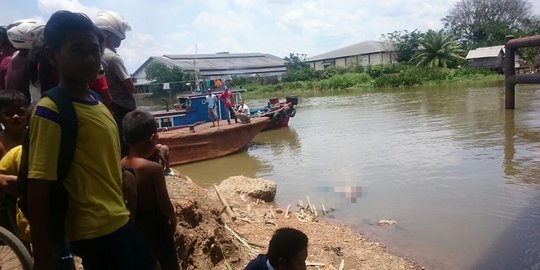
64	23
286	243
10	98
138	126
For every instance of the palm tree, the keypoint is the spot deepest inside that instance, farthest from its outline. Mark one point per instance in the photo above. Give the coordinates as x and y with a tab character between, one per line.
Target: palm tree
438	50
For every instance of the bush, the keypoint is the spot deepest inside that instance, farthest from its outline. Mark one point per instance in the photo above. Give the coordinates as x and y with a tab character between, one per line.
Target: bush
345	81
303	74
329	72
376	71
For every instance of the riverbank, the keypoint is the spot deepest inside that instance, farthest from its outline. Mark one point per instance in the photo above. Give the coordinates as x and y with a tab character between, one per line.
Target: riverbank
209	238
403	79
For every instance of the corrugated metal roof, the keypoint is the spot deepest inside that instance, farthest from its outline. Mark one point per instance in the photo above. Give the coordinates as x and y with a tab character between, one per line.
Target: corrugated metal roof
485	52
218	64
226	61
365	47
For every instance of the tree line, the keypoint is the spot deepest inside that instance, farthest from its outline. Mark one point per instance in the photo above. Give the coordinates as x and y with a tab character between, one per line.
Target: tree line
470	24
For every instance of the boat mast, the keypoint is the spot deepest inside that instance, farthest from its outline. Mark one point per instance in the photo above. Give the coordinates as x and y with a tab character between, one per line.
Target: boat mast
197	89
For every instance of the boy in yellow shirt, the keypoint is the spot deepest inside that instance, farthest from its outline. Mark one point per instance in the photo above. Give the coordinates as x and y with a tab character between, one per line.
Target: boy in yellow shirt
96	220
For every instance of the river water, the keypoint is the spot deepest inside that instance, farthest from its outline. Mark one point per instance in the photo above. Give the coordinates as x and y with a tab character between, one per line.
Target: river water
458	172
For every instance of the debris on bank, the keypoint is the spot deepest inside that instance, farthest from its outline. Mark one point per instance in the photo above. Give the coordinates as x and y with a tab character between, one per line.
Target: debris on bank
225	226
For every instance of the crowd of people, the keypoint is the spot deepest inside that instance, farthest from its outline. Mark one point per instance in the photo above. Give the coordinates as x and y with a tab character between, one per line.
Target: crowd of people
81	170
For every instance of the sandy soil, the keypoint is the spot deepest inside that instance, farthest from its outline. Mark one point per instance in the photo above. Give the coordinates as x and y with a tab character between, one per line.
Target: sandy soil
209	238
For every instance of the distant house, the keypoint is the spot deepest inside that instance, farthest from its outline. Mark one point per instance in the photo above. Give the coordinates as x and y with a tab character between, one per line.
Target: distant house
360	54
215	66
489	58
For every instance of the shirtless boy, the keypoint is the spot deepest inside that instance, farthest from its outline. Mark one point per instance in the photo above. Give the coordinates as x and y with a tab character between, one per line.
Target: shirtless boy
155	216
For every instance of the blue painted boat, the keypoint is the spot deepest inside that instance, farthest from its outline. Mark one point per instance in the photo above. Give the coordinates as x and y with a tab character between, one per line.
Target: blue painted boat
191	109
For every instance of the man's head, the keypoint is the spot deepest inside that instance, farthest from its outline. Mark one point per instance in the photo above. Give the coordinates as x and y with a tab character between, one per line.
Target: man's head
13	110
241	102
73	46
288	249
140	128
113	25
23	33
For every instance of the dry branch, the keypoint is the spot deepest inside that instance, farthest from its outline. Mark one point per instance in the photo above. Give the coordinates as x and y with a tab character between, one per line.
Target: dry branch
224	202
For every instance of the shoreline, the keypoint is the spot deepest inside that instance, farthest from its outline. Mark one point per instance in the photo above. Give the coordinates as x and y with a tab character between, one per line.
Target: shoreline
209	238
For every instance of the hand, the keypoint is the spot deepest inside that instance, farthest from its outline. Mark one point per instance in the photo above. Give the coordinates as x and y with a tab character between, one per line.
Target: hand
7	179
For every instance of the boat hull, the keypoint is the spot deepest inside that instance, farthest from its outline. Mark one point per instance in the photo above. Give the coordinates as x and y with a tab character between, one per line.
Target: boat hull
206	142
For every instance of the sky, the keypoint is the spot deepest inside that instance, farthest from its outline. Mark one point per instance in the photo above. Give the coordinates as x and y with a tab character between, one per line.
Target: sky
277	27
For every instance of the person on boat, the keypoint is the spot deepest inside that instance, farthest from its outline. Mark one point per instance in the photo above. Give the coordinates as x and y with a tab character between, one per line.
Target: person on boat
97	220
155	215
121	86
212	102
288	250
161	156
227	97
243	112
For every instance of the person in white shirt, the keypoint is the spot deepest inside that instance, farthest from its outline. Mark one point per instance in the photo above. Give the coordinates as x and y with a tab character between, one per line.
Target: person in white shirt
243	112
211	101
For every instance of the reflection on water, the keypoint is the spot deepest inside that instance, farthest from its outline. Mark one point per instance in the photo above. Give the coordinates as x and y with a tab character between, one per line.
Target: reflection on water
457	171
244	163
212	171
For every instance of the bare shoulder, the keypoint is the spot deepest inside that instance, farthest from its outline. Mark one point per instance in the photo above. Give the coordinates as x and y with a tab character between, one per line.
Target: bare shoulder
147	167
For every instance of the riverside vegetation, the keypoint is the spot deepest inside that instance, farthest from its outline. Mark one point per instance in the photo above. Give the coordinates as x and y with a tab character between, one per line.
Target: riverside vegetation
366	78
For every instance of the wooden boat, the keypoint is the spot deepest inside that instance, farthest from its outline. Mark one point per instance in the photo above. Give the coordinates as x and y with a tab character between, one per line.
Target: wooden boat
202	141
279	112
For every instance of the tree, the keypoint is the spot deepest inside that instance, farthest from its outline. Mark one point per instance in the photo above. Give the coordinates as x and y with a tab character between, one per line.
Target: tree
479	23
439	50
405	43
160	73
298	69
296	61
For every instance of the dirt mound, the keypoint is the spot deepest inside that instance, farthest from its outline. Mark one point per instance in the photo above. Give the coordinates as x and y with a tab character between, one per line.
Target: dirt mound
201	240
257	188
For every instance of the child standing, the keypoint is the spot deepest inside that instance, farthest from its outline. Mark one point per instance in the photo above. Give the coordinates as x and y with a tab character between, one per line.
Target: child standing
96	221
155	215
13	114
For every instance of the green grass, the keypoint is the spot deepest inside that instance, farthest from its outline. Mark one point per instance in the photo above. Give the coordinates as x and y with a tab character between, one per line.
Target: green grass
374	78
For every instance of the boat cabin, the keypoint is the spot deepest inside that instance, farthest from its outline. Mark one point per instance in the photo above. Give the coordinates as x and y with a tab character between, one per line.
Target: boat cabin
191	109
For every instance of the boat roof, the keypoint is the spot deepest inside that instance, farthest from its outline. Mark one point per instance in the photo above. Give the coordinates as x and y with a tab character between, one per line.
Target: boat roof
200	95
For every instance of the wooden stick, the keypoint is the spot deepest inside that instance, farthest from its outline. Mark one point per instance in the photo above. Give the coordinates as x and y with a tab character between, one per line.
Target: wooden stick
224	202
315	264
342	265
315	211
250	248
323	208
245	238
287	211
309	203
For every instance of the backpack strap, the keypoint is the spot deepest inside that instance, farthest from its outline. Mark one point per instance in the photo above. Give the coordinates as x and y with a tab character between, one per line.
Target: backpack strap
69	128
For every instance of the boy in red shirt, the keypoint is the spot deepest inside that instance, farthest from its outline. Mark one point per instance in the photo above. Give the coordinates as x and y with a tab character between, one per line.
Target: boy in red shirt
227	96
